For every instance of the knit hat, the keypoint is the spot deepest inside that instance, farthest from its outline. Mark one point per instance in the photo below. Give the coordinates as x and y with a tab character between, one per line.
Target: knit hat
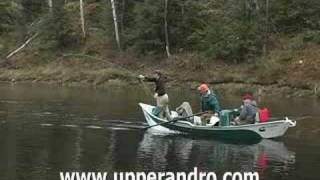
247	96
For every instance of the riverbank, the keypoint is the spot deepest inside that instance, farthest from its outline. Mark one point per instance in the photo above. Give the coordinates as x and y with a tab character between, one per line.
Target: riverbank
284	73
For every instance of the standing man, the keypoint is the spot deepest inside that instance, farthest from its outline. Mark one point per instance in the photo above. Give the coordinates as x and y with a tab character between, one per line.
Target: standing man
160	95
209	102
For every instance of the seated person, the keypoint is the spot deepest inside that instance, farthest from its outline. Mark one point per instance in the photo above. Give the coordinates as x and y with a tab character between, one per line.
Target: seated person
209	102
185	110
247	111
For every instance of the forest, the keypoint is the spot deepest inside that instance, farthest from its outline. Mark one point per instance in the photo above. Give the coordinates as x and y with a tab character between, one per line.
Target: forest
270	34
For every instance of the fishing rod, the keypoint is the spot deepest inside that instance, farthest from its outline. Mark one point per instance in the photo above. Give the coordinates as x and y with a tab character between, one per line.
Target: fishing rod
145	88
132	74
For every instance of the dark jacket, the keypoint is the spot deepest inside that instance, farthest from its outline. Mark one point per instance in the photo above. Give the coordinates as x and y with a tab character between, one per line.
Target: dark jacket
160	84
248	111
209	102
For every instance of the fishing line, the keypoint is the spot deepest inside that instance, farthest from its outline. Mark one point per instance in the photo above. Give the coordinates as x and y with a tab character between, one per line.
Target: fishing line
146	89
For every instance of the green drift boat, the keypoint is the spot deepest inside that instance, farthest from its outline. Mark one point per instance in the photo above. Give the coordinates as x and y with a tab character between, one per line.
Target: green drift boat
266	130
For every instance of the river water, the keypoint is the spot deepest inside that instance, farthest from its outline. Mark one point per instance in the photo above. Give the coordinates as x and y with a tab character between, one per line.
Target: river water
47	129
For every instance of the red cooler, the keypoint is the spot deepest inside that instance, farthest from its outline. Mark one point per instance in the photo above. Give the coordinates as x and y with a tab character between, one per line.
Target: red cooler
264	114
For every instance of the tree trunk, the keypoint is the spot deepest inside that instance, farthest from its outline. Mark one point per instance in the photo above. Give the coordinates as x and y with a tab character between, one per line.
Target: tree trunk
166	28
266	33
115	20
123	10
182	9
82	19
50	5
256	3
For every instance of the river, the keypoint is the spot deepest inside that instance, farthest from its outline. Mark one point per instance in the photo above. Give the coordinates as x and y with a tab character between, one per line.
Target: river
47	129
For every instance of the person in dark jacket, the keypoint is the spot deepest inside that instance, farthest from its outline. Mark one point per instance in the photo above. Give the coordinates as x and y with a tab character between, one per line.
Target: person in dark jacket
209	103
248	111
160	95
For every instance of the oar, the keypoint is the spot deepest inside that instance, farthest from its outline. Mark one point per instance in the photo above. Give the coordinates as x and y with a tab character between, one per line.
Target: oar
293	118
301	118
175	119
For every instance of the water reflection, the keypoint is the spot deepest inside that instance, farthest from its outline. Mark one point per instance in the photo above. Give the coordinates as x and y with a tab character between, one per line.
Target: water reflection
8	151
38	152
182	154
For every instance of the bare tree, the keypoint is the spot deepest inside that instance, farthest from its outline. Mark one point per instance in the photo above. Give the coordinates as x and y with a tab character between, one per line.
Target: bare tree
166	28
115	20
82	19
50	5
266	35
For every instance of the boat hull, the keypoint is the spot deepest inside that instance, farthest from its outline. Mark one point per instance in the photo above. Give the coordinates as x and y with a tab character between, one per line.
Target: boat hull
265	130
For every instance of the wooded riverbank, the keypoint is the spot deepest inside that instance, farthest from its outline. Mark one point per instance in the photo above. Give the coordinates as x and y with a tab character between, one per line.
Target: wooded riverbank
296	79
261	46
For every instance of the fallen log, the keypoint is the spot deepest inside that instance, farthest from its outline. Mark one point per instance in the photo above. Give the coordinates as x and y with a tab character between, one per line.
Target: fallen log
22	46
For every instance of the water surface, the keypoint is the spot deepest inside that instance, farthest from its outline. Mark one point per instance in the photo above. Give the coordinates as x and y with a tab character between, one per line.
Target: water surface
47	129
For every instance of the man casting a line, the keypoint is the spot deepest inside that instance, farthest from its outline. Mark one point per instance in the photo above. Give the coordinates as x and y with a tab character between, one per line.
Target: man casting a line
160	95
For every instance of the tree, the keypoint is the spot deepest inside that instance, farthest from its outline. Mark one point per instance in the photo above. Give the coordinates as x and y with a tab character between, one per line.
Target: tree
50	4
228	30
233	30
166	28
82	19
115	19
146	33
